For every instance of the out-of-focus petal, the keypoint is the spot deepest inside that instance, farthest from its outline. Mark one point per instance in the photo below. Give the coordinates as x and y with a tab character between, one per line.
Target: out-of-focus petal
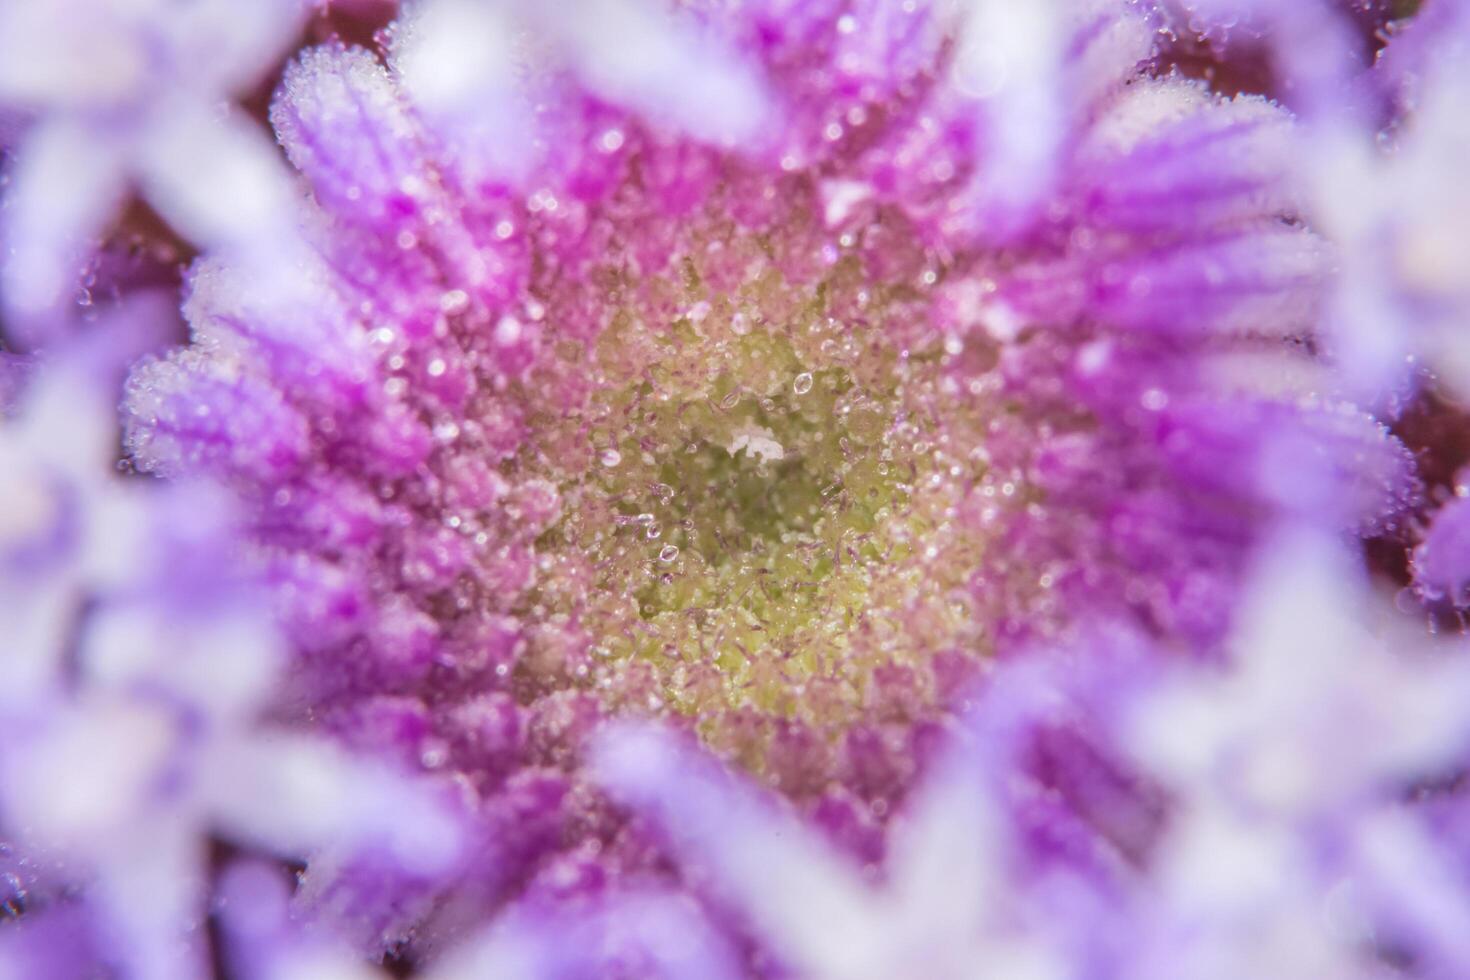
456	60
638	54
72	53
294	795
218	180
814	908
229	46
66	185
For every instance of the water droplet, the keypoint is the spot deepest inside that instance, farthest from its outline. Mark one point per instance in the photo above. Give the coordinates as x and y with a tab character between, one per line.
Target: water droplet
803	383
507	331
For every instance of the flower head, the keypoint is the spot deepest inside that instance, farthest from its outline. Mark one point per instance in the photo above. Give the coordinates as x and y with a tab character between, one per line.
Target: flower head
773	432
749	490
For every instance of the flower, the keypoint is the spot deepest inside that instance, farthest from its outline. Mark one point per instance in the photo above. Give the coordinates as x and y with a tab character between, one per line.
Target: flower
743	490
775	420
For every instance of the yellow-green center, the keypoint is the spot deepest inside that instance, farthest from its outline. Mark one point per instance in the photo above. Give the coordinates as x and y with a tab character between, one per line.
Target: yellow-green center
759	502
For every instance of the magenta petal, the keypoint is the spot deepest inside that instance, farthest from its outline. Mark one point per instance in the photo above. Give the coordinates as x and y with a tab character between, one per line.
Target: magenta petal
189	411
343	125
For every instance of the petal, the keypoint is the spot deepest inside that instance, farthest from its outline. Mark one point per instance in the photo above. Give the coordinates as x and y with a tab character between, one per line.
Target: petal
1036	69
284	313
159	936
229	46
636	53
1110	46
456	62
67	183
220	182
802	895
1262	281
1327	463
70	53
948	854
264	941
293	795
880	45
663	932
339	117
1168	157
1010	60
190	412
1441	562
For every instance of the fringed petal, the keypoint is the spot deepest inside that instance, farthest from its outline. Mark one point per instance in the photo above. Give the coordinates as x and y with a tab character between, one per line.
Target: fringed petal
190	411
340	119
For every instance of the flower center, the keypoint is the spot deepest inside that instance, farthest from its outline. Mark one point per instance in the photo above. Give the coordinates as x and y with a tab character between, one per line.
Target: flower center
762	498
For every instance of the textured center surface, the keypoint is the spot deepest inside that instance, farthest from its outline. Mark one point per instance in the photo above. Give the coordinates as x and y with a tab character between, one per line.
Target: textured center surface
759	500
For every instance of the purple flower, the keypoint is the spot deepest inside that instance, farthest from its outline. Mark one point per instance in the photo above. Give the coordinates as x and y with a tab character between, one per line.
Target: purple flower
811	489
